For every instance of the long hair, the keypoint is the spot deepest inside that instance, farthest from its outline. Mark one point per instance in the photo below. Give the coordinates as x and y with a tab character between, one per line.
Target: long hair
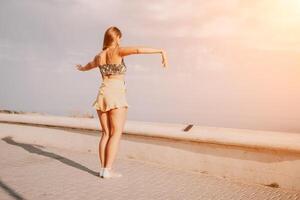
110	35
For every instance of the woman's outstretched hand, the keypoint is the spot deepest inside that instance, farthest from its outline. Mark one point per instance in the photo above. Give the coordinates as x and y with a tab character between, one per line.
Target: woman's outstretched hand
164	58
79	67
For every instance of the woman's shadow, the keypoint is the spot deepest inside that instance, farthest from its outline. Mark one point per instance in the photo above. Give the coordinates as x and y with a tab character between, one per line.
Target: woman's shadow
32	149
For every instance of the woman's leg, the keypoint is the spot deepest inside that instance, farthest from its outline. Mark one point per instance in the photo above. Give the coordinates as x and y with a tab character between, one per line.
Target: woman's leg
104	121
117	118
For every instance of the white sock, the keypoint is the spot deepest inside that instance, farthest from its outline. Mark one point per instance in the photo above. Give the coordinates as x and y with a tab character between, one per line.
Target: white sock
101	171
108	172
105	171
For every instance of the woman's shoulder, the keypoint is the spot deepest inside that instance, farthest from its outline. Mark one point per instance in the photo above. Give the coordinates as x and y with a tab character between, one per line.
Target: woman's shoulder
128	50
101	57
113	58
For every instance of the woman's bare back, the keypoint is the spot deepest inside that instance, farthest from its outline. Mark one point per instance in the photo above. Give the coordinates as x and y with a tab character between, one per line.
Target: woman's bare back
111	56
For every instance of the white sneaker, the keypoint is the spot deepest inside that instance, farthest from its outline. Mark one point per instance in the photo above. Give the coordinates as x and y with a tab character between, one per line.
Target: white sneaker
109	173
101	172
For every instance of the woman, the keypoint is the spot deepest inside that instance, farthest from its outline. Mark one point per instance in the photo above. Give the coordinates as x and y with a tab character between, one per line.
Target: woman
111	103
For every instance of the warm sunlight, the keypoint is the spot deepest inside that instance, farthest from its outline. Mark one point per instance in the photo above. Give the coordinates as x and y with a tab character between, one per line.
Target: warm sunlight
200	98
292	6
239	53
287	11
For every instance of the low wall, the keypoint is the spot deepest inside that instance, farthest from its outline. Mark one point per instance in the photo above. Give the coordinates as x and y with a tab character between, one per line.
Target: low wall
263	157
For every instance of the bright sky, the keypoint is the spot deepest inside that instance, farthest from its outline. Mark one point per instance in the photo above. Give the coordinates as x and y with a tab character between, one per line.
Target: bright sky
233	63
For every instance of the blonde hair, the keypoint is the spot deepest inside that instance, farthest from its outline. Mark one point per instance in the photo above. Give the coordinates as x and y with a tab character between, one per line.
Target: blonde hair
110	36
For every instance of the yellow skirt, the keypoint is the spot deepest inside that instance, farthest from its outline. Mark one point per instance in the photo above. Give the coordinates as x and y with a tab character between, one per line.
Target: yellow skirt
111	94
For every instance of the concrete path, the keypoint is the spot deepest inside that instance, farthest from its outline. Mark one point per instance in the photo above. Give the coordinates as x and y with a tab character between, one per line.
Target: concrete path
39	172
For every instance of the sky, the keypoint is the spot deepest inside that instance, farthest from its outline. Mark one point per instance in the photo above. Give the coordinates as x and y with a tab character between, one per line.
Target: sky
232	63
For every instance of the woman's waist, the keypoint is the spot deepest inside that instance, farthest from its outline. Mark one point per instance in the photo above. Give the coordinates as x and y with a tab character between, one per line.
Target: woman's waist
113	83
115	76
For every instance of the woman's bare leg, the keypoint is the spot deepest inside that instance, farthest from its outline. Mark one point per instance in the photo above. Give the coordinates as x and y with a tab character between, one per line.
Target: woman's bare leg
117	119
104	121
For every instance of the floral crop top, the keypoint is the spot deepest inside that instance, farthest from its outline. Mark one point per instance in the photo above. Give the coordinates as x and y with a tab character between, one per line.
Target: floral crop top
112	69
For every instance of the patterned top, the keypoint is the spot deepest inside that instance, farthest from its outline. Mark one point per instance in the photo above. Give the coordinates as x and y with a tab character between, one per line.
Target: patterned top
112	69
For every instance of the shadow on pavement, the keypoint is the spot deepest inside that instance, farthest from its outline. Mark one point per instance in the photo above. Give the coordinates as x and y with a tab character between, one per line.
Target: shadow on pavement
32	149
10	191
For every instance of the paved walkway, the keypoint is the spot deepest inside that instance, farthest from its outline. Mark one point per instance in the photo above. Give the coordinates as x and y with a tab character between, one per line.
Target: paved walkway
39	172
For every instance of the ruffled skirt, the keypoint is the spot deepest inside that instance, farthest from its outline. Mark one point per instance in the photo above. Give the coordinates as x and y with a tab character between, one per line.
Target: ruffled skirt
111	94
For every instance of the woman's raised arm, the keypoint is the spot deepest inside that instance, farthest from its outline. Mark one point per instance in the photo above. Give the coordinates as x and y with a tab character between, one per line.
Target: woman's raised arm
90	65
125	51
